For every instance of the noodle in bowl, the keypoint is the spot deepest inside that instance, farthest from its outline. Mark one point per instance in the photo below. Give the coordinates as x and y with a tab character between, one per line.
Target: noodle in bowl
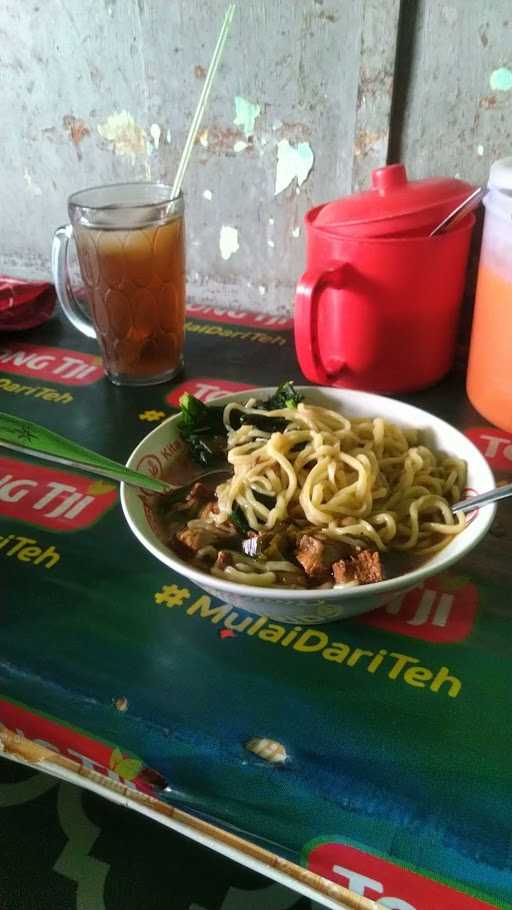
354	465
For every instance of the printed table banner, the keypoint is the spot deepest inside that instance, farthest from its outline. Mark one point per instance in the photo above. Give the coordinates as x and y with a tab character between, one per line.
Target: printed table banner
375	751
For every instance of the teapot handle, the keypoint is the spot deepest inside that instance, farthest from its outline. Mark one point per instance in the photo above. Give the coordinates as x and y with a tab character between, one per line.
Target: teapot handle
307	296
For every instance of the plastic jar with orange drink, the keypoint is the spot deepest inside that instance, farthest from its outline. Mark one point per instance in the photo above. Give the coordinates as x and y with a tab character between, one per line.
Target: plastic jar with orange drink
489	379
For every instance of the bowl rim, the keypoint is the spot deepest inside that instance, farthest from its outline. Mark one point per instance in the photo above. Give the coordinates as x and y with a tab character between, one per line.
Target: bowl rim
396	583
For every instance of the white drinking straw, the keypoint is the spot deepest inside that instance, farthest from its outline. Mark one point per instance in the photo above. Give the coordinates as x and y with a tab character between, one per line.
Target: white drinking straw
203	100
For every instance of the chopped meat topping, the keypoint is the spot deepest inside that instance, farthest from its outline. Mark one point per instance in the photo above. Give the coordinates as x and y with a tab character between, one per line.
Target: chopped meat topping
274	544
343	571
317	554
364	567
199	491
193	502
198	494
224	558
368	567
195	539
211	508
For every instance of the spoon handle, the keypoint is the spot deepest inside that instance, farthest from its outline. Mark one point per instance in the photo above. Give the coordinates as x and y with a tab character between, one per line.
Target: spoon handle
470	203
32	439
483	499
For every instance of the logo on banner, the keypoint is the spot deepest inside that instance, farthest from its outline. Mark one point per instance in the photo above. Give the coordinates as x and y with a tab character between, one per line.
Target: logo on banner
205	389
235	317
58	364
442	610
495	445
387	884
90	753
49	498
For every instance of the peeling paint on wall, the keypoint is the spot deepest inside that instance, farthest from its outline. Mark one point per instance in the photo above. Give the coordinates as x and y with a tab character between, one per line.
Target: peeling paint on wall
77	130
228	241
292	162
221	140
32	187
155	68
122	132
367	142
501	79
246	115
156	132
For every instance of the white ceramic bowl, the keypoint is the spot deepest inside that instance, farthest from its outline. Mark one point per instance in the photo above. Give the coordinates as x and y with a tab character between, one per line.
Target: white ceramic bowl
156	451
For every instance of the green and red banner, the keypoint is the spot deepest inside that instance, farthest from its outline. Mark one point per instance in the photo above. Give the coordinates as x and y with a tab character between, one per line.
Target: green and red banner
393	729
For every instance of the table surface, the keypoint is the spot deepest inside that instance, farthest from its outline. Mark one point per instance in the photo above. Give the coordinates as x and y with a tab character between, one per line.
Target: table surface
401	792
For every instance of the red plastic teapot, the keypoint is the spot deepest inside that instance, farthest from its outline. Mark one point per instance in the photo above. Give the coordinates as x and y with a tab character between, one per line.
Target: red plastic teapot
377	308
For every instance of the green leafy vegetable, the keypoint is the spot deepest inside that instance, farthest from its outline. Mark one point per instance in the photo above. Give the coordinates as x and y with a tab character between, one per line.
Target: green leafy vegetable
202	429
266	498
285	396
202	426
261	421
198	417
238	518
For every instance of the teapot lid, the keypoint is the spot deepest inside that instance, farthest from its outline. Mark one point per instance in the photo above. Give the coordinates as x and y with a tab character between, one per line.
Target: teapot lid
394	203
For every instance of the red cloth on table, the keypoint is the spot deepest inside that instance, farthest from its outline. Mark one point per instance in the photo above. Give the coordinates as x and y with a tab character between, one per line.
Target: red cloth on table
24	304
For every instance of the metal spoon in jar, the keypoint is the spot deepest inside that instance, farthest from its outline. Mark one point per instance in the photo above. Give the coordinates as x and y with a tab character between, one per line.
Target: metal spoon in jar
471	202
32	439
483	499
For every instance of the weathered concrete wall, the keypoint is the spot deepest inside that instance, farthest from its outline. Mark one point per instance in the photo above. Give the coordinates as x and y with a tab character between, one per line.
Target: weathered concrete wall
97	92
457	97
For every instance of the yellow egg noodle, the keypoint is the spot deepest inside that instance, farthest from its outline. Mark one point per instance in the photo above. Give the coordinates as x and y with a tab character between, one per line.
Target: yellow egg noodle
356	480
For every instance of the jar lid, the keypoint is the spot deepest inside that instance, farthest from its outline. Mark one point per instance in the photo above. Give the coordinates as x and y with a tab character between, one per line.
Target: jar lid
394	204
499	198
500	176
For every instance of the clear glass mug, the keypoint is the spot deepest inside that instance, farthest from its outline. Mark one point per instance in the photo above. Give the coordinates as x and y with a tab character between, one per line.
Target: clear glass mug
130	241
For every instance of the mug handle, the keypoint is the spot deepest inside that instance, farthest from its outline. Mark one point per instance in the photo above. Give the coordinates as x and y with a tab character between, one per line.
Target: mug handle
62	282
307	295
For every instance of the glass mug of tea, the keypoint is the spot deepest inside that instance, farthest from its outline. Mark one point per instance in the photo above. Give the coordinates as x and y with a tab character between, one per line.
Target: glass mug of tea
130	241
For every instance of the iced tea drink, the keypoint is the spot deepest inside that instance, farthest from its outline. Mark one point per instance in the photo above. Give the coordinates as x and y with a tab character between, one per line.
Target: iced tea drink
131	251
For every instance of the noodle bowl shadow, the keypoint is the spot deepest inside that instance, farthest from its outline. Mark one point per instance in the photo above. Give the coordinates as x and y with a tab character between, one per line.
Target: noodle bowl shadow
155	454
